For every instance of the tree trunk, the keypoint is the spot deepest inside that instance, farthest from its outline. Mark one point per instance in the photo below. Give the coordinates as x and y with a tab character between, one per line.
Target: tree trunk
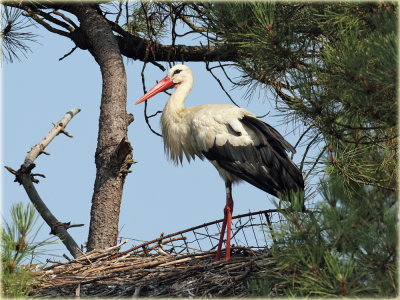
113	154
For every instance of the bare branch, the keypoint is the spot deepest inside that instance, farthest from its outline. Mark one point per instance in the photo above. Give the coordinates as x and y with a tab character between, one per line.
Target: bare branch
46	25
155	114
226	74
50	18
58	127
26	178
191	25
300	138
66	133
135	47
315	163
160	66
115	27
65	18
119	11
146	117
11	170
220	83
307	149
263	116
68	54
130	45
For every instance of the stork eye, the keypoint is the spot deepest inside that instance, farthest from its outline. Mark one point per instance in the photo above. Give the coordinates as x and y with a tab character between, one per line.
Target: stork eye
176	72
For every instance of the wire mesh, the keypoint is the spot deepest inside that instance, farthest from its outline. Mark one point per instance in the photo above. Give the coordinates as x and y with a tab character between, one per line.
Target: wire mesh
253	230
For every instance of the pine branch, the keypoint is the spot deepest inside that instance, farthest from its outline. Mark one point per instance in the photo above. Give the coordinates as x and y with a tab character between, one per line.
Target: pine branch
65	18
46	25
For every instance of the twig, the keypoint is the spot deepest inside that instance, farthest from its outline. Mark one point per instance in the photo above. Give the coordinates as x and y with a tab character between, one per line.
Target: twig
119	12
220	83
68	54
300	138
96	254
50	18
160	66
146	117
306	151
66	225
166	276
226	74
270	227
46	25
315	162
155	114
66	257
263	116
65	18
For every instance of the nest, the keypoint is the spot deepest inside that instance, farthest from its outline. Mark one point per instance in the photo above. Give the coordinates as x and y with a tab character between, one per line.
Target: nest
165	267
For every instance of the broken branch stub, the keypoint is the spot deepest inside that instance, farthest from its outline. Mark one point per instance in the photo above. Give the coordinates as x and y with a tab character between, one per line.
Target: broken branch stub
58	128
26	178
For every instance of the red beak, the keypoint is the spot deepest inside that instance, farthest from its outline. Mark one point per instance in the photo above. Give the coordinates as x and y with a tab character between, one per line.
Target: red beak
165	83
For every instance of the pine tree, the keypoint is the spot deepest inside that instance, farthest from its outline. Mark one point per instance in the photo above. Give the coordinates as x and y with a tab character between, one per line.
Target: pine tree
20	252
334	68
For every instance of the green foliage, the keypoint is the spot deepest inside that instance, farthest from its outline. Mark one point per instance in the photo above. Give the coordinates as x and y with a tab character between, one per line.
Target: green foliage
360	63
272	37
347	247
147	20
19	250
14	36
334	68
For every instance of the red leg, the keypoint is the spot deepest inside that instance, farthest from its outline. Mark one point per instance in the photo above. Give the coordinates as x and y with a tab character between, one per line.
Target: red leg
221	238
226	224
229	209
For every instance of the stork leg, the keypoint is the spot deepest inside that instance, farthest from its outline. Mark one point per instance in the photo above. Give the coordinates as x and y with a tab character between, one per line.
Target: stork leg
226	224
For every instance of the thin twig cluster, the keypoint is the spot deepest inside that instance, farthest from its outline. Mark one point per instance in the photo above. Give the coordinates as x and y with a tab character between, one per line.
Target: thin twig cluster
105	273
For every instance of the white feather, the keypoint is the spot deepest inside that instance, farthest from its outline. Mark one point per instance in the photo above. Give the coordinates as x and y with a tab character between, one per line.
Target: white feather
188	131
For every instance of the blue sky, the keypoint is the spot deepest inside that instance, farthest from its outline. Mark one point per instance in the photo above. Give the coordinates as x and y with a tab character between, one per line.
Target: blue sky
158	196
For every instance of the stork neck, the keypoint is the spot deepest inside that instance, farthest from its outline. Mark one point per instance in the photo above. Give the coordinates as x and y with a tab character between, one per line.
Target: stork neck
178	97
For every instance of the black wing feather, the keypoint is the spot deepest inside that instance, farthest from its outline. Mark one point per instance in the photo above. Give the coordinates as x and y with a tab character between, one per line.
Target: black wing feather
266	166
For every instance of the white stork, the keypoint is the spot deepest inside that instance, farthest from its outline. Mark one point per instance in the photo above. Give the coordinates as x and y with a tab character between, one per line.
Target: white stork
239	145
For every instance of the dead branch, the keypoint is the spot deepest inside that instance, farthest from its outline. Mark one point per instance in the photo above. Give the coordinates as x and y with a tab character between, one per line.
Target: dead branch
25	177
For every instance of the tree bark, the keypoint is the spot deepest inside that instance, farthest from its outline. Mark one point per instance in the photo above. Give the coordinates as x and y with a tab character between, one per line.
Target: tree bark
130	45
113	154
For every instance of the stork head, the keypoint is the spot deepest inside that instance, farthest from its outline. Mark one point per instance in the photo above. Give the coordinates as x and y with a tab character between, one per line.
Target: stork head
179	74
